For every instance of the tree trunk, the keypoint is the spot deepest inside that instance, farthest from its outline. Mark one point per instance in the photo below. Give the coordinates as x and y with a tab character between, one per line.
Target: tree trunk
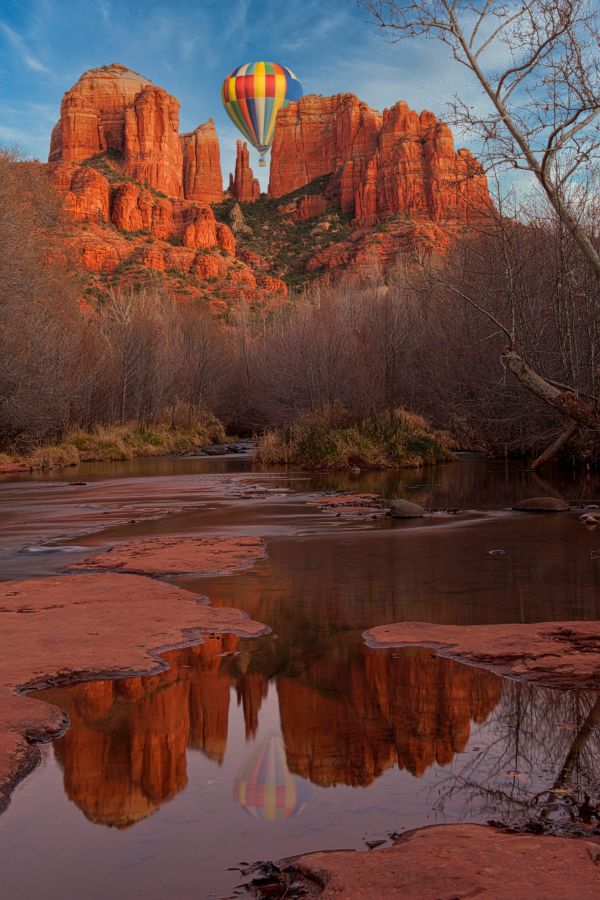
568	403
551	451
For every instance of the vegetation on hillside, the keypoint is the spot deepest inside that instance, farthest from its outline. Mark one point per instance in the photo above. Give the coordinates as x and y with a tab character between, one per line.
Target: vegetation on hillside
287	245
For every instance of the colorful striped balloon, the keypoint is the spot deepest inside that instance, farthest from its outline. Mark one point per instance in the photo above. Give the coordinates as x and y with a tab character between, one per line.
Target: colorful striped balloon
264	785
253	94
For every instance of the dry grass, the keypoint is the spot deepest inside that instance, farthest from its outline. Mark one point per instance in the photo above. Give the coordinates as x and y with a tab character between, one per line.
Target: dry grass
335	439
53	457
120	442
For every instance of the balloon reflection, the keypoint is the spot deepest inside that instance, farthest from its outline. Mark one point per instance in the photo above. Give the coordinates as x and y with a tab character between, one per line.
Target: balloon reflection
264	785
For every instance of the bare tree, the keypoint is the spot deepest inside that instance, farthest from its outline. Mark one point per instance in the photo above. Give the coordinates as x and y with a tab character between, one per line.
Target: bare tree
537	63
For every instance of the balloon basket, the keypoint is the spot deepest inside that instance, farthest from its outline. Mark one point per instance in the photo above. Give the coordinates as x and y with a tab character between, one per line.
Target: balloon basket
262	162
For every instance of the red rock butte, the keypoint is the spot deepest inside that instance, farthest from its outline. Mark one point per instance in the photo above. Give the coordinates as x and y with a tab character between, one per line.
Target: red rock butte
145	197
142	193
114	108
380	165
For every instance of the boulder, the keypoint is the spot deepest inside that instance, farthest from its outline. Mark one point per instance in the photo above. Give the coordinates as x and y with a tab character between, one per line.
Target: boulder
541	504
459	861
404	509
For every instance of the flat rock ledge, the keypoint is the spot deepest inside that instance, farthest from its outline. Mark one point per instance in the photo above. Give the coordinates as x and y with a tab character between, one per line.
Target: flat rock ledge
563	655
82	627
451	862
179	556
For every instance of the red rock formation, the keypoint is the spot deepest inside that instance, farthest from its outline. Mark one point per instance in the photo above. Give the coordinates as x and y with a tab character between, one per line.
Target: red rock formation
252	259
135	209
92	115
152	148
348	725
398	163
316	136
225	239
306	207
85	192
243	186
202	179
115	109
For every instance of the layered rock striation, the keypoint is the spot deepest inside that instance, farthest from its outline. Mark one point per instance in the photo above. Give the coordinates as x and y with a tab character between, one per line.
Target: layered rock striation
398	163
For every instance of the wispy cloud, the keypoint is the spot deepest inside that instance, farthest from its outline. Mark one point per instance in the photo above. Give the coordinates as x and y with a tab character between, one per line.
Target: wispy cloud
27	56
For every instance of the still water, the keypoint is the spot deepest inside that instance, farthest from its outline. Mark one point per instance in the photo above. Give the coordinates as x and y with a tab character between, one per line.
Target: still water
304	739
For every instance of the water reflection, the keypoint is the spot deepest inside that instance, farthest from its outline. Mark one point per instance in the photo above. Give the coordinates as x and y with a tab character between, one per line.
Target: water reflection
125	752
264	785
539	763
363	741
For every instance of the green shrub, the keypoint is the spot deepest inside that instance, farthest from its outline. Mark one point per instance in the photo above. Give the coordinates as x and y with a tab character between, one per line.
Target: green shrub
335	439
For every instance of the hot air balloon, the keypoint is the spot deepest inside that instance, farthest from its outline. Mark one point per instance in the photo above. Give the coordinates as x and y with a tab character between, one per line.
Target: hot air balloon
253	94
264	785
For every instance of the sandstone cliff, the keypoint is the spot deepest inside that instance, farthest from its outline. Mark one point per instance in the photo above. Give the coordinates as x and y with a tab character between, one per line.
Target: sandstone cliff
243	185
113	110
92	113
202	178
152	150
398	163
350	191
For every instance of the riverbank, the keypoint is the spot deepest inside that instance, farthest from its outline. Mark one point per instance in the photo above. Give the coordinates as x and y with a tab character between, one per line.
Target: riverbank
106	443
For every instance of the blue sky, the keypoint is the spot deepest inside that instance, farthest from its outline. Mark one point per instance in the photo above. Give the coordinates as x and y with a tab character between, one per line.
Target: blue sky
189	47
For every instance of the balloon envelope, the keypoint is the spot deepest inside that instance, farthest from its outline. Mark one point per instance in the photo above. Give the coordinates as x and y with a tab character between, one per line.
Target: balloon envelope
264	785
253	94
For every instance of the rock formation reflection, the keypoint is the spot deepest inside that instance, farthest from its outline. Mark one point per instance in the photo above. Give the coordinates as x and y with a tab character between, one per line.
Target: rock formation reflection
409	708
343	722
125	752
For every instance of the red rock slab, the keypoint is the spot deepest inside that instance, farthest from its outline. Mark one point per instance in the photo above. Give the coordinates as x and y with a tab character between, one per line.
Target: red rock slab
81	627
557	654
451	862
179	556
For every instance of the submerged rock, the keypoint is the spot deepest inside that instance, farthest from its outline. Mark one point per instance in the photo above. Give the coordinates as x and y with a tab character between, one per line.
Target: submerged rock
404	509
179	556
541	504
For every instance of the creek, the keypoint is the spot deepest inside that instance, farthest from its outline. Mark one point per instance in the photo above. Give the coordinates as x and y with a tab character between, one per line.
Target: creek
304	739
